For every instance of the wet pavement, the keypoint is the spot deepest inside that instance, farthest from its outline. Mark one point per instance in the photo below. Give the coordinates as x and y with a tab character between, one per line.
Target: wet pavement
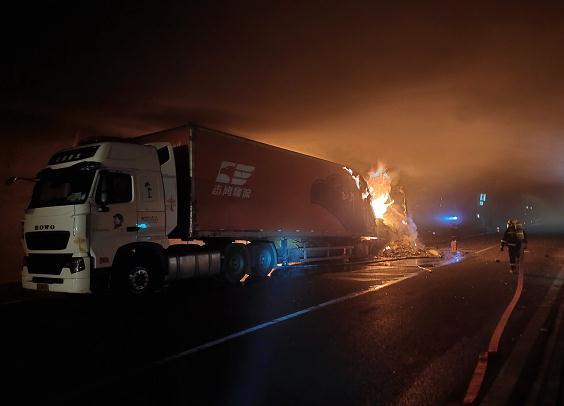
397	332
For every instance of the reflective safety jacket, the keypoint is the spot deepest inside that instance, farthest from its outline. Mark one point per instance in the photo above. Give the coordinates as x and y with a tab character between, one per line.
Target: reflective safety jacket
513	237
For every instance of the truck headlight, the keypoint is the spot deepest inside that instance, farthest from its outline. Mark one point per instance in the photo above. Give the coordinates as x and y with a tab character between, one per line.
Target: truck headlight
77	265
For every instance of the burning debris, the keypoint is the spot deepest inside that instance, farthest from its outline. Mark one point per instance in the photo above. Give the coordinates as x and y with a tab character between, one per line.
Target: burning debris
404	249
388	202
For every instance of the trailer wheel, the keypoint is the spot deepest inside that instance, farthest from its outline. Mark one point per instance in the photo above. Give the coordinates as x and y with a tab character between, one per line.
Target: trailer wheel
235	262
264	258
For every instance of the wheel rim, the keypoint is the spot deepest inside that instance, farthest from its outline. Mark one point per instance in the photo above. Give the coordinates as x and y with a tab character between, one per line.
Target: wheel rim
264	260
139	279
236	264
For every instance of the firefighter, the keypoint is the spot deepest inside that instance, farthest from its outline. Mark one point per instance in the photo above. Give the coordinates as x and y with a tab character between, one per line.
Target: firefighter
515	239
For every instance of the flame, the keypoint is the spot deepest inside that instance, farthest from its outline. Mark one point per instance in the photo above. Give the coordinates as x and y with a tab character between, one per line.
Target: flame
379	187
355	177
376	189
380	205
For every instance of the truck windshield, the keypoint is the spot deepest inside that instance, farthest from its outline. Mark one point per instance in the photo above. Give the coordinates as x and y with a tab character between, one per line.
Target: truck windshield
59	187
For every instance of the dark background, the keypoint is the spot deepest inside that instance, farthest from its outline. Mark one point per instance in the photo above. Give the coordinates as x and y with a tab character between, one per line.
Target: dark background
458	99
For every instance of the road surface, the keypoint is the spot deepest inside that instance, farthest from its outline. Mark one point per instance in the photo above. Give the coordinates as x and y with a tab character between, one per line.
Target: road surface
406	332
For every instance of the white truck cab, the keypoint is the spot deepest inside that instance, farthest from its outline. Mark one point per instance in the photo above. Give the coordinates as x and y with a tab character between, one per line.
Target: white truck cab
89	203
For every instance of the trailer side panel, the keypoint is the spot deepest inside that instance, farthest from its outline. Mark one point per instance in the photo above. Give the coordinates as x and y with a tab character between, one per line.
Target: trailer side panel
246	188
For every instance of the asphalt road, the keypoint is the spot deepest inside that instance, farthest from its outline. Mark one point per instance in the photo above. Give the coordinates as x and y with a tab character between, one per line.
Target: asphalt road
399	333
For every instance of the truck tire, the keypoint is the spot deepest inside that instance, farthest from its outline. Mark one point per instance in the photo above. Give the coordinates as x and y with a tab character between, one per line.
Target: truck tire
137	275
235	263
140	280
264	258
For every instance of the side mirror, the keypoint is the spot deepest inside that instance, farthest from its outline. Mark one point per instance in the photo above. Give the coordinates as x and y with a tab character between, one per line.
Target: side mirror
13	179
103	201
104	197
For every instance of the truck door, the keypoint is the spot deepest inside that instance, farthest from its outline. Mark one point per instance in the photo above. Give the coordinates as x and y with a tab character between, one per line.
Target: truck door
150	207
114	216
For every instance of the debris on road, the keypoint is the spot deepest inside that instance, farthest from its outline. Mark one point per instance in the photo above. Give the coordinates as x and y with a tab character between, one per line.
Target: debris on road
405	248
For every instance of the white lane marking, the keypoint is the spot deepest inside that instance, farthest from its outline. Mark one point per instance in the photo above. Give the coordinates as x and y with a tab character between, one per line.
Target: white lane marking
485	249
279	320
400	272
116	378
425	269
345	278
384	272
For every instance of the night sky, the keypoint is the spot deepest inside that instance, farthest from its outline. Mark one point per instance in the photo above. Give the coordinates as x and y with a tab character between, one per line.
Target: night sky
458	98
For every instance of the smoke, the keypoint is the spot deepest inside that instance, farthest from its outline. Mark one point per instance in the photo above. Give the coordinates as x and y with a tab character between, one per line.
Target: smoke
400	223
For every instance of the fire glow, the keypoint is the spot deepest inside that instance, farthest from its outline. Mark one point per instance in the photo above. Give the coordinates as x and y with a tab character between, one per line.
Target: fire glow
379	187
400	229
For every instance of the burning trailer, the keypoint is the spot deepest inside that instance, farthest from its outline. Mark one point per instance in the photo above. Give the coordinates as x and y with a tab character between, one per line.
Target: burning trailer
393	222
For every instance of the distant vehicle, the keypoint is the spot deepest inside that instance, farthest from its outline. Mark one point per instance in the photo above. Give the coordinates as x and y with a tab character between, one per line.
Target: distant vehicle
135	214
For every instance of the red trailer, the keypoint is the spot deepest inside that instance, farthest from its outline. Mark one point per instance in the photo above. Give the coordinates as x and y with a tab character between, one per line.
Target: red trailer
235	187
232	188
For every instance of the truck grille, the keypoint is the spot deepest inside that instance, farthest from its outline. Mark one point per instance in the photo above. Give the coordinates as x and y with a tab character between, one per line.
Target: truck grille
47	240
48	264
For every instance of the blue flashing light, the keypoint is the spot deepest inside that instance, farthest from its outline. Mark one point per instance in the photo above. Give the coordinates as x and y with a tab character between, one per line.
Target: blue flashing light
142	225
449	218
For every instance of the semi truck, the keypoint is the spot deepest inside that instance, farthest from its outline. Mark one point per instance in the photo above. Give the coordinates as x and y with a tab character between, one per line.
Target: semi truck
136	214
